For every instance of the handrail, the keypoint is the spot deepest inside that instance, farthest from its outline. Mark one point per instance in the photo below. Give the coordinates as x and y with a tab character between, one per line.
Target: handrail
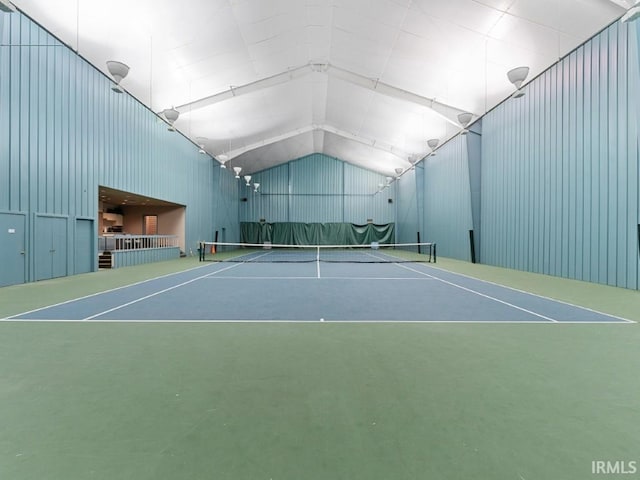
136	242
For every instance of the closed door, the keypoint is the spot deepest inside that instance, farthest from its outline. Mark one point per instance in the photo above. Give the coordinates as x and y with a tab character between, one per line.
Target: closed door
12	249
84	253
51	247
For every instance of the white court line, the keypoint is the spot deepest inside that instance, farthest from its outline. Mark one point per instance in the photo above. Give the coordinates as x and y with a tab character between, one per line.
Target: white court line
481	294
105	291
316	322
622	319
421	279
159	292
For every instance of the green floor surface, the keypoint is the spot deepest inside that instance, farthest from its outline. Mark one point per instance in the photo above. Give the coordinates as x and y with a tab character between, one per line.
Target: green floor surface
317	401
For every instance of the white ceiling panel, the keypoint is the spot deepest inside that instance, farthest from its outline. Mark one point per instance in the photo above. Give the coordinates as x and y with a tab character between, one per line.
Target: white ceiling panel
367	81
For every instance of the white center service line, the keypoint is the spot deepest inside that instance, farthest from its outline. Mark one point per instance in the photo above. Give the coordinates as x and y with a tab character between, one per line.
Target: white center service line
480	294
160	291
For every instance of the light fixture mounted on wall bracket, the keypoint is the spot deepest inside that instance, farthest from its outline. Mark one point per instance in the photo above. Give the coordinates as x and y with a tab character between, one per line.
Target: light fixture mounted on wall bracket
118	71
517	76
465	119
171	115
433	144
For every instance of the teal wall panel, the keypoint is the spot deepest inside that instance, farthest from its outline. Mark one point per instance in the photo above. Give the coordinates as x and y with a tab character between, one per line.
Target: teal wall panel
63	132
406	204
315	189
560	168
447	200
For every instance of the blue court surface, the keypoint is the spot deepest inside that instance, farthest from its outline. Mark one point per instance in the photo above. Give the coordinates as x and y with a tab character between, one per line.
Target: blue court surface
312	292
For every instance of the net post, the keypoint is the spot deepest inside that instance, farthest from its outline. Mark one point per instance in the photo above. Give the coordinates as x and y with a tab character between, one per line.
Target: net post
418	235
201	251
472	245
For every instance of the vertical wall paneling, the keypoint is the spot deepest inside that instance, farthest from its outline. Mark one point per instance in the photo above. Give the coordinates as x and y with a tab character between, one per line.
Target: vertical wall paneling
447	199
406	208
474	145
63	132
559	173
316	189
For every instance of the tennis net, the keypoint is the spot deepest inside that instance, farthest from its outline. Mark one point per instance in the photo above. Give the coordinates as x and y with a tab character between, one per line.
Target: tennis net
273	253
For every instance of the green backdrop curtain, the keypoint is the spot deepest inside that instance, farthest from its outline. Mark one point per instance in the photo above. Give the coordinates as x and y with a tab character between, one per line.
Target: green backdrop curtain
294	233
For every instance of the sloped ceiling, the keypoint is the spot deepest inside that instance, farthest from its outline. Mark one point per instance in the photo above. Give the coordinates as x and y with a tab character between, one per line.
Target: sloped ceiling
262	82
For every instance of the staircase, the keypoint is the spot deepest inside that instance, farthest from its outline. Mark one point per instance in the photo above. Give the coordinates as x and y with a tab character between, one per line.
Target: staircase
105	260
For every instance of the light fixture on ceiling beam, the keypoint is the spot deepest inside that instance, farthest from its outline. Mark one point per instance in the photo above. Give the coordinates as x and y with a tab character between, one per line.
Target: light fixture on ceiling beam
201	141
247	178
171	115
464	119
237	171
433	144
118	71
517	77
223	158
399	171
632	14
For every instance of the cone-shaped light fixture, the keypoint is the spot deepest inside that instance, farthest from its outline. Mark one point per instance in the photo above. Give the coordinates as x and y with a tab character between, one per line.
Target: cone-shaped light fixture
517	77
237	171
171	114
118	71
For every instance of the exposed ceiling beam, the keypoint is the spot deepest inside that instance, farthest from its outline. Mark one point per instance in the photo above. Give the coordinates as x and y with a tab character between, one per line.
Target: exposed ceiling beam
378	145
315	128
232	92
447	112
268	141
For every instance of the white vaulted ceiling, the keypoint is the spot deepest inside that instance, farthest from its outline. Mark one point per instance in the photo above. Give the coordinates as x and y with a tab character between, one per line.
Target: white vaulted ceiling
367	81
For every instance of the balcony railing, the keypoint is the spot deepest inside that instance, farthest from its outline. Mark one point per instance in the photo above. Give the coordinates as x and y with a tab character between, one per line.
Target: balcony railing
136	242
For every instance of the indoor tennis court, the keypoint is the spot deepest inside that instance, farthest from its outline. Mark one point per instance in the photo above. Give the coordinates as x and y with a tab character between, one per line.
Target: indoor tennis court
319	239
271	285
146	372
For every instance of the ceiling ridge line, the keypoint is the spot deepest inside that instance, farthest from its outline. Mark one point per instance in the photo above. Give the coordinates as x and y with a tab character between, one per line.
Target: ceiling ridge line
312	127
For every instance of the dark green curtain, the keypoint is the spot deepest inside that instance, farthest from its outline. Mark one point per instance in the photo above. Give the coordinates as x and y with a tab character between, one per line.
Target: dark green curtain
294	233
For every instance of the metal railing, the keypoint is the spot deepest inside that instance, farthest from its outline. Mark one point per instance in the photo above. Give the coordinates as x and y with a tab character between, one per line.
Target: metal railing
136	242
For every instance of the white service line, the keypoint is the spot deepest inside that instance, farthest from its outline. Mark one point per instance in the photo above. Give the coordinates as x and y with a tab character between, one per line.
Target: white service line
622	319
160	291
480	294
105	291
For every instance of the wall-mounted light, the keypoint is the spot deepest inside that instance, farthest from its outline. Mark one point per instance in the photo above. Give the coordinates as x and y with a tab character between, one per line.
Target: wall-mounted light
118	71
256	186
433	144
223	158
399	171
237	171
247	178
464	119
171	115
201	141
517	77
